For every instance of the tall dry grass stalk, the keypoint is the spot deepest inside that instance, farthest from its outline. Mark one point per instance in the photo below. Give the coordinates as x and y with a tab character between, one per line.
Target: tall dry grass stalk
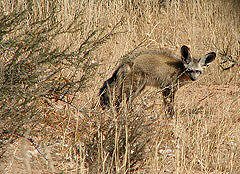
81	138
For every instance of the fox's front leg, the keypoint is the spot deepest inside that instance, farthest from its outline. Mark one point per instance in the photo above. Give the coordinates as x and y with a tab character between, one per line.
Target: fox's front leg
168	100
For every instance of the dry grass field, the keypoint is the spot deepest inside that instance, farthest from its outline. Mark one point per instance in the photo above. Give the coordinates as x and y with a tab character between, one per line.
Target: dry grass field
62	128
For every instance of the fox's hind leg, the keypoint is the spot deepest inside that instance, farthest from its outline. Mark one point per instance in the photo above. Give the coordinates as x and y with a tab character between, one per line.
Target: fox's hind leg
134	84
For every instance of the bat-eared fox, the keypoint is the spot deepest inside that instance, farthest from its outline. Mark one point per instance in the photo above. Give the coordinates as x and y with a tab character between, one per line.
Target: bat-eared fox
158	68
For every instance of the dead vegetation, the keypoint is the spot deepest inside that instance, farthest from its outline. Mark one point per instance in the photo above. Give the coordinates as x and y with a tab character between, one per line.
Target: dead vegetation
54	58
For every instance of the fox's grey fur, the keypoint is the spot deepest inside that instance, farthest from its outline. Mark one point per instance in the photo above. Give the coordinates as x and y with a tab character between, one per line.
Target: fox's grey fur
161	69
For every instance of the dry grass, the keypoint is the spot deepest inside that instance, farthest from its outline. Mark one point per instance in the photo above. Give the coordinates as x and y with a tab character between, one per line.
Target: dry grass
81	138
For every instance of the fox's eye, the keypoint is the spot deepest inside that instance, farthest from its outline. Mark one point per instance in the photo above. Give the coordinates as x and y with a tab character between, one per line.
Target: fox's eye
194	71
197	72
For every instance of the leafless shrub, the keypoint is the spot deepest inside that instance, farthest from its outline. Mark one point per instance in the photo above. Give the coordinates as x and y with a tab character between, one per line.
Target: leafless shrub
227	60
32	67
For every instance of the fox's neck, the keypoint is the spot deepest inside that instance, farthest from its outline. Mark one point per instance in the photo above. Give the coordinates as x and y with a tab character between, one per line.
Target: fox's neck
183	78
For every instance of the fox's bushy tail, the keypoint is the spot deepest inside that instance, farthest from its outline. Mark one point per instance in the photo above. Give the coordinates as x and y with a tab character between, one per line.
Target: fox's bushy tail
113	86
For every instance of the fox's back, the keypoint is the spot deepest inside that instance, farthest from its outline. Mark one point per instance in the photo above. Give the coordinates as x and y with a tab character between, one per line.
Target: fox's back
159	66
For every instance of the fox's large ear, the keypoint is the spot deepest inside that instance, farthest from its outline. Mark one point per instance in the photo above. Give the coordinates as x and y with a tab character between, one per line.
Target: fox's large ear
208	59
185	52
